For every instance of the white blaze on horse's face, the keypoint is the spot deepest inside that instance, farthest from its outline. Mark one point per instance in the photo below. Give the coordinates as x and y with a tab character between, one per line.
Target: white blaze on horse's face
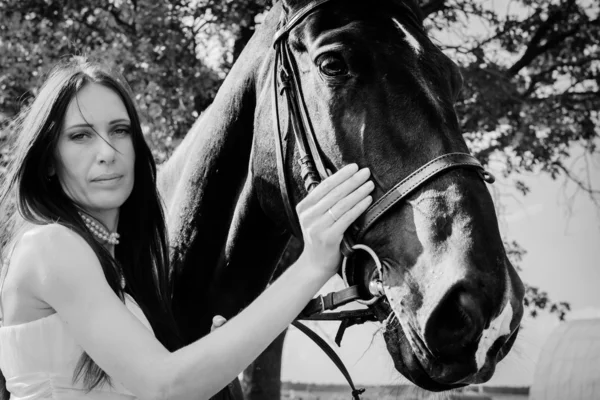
410	39
498	327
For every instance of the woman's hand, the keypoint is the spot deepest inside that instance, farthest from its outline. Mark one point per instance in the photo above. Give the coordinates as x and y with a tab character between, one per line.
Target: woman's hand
217	322
328	211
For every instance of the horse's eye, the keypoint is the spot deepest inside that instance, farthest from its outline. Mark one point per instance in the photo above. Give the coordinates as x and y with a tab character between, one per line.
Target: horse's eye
332	65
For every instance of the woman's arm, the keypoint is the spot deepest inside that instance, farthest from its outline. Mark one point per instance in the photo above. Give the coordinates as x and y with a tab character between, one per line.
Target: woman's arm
71	281
237	343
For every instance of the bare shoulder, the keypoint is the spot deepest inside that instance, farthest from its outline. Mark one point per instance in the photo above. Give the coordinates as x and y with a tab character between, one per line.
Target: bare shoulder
49	241
47	252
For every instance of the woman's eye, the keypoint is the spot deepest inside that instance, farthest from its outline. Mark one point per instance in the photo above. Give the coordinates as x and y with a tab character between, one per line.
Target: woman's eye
122	131
332	65
79	136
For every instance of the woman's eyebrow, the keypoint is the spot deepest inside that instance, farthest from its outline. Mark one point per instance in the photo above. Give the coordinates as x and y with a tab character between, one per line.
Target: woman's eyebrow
120	121
86	125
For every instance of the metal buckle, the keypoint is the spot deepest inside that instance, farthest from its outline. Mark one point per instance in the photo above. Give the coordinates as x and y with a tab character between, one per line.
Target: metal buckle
373	255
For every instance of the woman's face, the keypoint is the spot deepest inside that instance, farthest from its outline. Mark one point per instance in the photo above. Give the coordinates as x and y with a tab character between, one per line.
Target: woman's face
94	158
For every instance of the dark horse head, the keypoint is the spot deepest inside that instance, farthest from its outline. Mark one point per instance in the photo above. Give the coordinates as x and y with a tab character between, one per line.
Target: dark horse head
380	94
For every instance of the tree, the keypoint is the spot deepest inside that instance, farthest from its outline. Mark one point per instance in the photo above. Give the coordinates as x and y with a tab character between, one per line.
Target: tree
161	48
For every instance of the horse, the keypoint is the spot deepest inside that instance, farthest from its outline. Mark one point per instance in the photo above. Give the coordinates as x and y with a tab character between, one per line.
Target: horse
374	90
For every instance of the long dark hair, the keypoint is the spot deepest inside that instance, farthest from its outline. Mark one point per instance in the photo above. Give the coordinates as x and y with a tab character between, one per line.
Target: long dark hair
142	254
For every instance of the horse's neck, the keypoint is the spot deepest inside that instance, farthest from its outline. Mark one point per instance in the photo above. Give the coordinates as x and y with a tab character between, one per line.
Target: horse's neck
170	172
223	131
223	246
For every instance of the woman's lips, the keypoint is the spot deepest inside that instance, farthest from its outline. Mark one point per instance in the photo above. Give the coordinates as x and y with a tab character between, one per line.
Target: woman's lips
107	178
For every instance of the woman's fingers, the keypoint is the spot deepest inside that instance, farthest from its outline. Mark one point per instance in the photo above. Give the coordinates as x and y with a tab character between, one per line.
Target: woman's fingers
346	203
343	192
329	210
336	188
217	322
327	185
347	218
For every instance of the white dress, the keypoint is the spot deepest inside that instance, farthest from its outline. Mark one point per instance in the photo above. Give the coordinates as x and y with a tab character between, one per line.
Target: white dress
38	359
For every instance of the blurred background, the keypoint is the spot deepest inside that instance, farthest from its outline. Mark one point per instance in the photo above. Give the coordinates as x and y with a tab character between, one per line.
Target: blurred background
529	110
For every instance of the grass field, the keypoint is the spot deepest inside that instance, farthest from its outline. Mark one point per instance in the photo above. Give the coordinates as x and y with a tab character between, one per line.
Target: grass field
304	391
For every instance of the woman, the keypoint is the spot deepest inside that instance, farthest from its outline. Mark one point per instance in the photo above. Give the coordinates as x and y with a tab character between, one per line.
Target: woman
86	310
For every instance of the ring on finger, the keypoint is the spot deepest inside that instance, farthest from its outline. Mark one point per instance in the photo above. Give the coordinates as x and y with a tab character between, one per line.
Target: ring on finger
332	215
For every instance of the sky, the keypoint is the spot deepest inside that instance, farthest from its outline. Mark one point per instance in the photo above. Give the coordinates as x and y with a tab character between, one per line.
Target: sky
562	239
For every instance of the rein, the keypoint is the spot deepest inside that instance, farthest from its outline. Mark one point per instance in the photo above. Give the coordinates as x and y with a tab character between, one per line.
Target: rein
286	82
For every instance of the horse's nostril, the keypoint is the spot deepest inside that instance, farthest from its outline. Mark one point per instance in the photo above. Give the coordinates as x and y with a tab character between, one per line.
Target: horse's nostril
455	326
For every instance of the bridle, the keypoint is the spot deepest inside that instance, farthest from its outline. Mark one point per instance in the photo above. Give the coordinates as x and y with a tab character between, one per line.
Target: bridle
286	82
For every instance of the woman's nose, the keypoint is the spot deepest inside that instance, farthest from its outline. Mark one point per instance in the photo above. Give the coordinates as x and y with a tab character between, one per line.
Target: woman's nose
106	150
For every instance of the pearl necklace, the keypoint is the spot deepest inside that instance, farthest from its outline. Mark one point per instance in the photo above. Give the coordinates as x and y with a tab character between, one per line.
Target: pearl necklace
100	232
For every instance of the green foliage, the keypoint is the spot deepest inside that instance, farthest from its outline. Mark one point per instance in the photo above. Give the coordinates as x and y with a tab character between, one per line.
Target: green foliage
535	299
154	44
531	79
